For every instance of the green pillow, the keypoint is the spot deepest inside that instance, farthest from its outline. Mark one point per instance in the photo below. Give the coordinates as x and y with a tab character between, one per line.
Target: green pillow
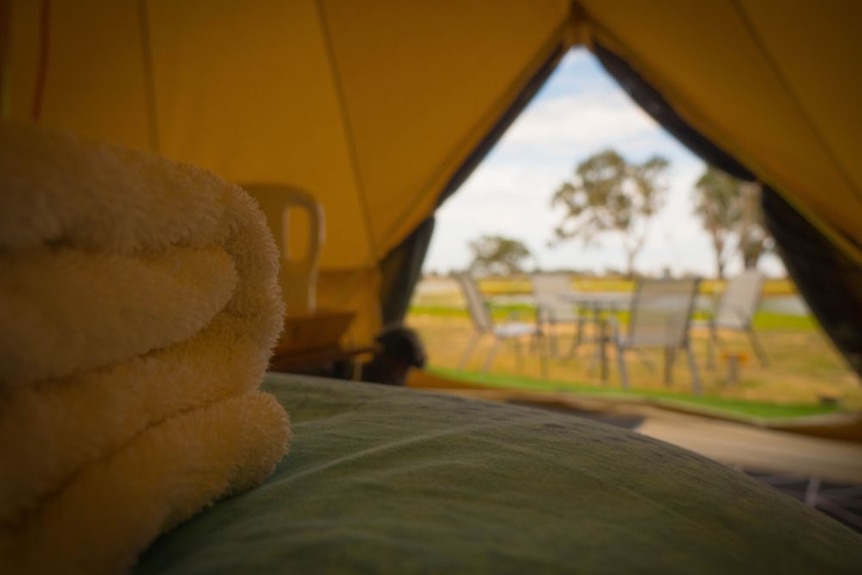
385	479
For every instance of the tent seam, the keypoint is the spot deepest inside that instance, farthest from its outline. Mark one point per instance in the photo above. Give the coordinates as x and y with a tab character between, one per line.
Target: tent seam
692	116
374	263
350	140
149	76
794	98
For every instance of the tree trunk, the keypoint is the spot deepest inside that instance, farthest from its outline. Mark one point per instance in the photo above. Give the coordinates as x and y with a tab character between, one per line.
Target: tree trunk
630	263
750	201
718	246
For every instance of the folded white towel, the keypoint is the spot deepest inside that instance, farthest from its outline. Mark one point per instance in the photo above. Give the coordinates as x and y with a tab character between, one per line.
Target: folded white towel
111	510
51	430
139	304
50	296
133	244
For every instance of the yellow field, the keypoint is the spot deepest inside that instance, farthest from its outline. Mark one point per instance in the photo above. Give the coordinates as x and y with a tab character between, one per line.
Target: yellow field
521	285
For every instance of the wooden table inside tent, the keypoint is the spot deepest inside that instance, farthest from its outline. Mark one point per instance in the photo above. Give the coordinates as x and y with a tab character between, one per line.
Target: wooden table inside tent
333	361
312	344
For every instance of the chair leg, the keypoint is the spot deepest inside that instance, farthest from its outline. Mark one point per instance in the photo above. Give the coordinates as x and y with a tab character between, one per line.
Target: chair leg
519	355
718	344
582	322
758	349
543	356
535	343
669	357
692	366
599	357
711	343
621	362
537	340
553	341
470	345
491	353
577	338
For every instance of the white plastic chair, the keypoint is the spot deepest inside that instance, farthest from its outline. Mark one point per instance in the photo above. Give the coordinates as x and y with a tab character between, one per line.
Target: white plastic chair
483	324
735	312
552	309
660	317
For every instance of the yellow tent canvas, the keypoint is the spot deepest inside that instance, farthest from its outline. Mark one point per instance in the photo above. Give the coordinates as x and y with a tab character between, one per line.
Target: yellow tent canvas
380	108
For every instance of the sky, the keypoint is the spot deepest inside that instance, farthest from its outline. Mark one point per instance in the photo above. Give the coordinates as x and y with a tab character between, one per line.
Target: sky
579	111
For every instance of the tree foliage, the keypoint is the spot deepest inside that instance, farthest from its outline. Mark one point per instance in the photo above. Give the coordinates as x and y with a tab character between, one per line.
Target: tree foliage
498	255
754	239
729	211
610	194
717	204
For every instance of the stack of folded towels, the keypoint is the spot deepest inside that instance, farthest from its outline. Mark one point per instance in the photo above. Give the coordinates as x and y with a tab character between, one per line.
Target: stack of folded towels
139	304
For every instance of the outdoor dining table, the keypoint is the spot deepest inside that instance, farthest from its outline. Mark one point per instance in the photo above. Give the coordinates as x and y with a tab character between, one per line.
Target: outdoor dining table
599	303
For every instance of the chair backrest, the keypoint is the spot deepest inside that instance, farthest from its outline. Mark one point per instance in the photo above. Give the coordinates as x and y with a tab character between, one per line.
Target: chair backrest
740	300
661	312
548	290
480	315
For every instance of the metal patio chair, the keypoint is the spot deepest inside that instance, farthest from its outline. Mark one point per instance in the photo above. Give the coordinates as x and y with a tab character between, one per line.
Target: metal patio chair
660	317
553	309
735	312
484	325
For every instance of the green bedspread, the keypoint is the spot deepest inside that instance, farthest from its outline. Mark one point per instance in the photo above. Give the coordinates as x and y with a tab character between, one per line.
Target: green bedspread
392	480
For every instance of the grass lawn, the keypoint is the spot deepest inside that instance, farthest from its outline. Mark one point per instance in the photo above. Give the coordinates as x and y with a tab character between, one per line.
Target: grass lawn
521	285
718	405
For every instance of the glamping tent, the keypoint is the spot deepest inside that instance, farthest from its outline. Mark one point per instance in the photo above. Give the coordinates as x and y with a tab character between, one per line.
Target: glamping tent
138	298
380	109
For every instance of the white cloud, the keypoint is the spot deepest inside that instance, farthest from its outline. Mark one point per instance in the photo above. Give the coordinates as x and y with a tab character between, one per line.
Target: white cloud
580	112
592	120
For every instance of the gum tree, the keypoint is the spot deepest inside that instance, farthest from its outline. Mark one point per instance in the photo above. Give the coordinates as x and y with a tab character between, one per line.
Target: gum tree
610	194
729	212
498	255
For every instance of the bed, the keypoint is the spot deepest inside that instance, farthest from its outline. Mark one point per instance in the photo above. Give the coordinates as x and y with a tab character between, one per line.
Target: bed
161	306
398	480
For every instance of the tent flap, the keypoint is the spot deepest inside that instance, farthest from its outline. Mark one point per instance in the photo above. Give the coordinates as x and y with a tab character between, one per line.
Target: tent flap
774	84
